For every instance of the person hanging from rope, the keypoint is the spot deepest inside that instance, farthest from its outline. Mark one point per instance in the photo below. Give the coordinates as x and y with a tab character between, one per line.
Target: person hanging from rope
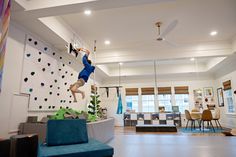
83	75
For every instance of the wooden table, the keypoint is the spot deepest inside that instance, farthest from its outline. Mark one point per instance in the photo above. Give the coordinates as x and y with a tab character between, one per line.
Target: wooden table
199	114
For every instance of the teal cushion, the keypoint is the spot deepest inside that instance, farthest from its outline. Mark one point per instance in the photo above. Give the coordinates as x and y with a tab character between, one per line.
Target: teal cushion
63	132
93	148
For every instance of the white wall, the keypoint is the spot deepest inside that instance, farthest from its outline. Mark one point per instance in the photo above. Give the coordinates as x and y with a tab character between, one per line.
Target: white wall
11	76
228	120
11	84
112	101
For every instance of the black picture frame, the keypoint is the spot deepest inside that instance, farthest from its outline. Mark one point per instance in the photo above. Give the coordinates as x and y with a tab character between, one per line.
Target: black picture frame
220	97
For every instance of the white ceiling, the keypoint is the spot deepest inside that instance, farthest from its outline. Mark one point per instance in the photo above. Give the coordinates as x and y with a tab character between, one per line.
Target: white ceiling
134	25
130	26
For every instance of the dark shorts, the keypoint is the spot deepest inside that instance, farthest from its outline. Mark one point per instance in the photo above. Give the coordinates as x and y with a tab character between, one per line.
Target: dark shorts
85	78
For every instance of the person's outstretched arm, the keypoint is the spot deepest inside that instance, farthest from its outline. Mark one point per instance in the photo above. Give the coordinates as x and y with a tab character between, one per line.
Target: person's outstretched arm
84	50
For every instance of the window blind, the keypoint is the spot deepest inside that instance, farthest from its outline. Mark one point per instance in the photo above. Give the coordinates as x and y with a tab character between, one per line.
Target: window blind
227	85
164	90
131	91
181	90
147	91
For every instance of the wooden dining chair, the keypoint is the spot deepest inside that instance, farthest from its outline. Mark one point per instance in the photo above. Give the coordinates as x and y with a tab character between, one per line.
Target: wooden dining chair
206	117
217	117
190	118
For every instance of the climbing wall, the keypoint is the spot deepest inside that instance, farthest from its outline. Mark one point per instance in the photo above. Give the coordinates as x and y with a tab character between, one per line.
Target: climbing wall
47	76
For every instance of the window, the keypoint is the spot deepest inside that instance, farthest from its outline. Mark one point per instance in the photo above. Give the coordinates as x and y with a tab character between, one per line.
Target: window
148	104
165	100
132	99
229	101
182	100
229	96
132	102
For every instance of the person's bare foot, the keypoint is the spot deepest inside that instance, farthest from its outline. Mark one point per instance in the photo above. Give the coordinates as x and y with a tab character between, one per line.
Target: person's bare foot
75	100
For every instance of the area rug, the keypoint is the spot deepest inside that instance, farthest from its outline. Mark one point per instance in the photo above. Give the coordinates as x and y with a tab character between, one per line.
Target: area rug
197	130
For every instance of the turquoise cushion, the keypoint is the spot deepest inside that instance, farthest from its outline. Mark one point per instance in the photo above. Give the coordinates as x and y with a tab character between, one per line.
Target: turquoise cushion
91	149
63	132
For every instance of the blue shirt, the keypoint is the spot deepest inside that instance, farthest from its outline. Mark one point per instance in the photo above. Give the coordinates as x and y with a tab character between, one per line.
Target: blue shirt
87	70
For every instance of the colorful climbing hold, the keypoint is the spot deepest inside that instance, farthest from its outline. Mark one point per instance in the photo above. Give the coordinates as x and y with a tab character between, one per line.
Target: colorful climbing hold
31	90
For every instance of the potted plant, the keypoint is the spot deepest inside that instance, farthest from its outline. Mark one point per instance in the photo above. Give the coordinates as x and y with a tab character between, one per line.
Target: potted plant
94	107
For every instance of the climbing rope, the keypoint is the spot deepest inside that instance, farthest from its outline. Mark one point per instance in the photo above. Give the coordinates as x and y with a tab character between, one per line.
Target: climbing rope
94	79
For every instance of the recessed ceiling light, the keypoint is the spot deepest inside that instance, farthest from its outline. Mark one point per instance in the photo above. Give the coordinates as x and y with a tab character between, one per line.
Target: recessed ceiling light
121	63
213	33
107	42
87	12
192	59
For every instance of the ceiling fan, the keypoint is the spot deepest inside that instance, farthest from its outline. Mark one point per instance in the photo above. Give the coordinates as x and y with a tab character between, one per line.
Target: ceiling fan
162	35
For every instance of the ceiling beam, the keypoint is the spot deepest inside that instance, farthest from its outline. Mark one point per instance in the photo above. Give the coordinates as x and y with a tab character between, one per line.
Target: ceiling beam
40	4
210	49
234	44
66	8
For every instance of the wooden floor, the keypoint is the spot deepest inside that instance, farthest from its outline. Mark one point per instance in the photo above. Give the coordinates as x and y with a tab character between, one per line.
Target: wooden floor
128	143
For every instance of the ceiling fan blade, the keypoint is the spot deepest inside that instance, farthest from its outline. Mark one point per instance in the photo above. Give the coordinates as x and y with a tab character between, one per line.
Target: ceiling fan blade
169	28
171	43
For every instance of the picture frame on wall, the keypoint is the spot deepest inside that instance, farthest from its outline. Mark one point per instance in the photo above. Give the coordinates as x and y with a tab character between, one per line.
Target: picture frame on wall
198	98
220	97
197	93
208	92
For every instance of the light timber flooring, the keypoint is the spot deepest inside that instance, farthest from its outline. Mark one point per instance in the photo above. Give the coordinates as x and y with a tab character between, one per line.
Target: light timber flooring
128	143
